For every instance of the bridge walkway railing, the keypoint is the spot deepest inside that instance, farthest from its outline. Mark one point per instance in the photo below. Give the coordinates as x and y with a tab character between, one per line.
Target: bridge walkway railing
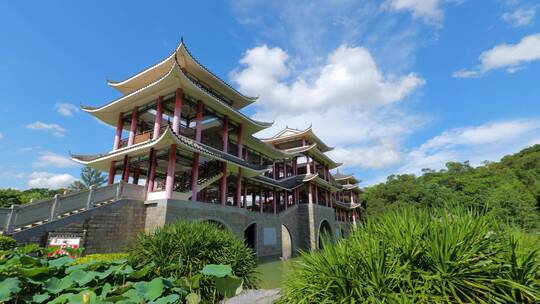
22	217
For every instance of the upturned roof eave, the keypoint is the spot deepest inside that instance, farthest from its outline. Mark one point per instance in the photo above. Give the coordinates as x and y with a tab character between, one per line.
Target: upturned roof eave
297	182
347	206
298	135
174	75
316	179
263	148
124	85
168	137
108	111
318	153
248	99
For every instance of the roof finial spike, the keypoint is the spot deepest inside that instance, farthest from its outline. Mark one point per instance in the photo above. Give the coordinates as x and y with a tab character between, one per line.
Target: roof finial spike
182	39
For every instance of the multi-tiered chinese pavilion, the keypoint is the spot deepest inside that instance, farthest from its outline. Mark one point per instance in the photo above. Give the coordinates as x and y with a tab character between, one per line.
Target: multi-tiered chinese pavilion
180	133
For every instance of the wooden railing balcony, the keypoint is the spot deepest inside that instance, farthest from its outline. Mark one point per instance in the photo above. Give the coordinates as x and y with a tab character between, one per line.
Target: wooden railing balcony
139	138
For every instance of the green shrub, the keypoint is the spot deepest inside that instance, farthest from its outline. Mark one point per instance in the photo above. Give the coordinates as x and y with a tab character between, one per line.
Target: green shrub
185	247
7	243
101	257
421	256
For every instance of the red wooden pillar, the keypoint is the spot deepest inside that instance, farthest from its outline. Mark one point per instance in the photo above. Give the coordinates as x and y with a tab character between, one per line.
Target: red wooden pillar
112	170
136	175
316	194
133	129
240	140
151	172
171	166
116	145
286	196
125	174
244	200
177	110
225	134
260	201
266	198
327	173
198	135
308	165
194	177
159	117
118	135
198	121
239	188
310	194
223	186
274	201
327	198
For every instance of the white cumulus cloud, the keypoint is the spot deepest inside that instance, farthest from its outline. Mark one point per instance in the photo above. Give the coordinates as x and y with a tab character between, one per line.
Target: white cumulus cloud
506	56
49	180
349	76
347	99
50	159
66	109
54	129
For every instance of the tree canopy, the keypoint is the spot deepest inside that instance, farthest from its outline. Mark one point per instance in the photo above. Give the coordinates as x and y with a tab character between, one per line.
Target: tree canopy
89	177
510	188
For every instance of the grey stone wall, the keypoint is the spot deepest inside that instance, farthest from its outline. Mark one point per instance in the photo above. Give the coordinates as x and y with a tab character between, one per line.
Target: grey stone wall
107	229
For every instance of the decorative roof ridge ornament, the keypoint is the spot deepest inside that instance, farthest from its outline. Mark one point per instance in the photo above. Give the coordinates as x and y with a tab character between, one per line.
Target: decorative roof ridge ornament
182	43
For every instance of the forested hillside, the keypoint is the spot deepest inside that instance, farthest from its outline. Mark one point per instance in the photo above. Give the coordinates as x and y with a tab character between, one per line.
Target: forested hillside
509	189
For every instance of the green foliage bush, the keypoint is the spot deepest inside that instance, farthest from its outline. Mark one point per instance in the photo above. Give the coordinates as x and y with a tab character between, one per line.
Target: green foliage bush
185	247
421	256
28	275
7	243
101	257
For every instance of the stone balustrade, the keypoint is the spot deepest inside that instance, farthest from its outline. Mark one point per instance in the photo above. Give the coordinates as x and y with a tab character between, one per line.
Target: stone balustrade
21	217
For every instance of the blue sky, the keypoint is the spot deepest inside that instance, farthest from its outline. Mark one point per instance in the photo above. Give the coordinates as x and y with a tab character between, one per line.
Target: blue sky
394	85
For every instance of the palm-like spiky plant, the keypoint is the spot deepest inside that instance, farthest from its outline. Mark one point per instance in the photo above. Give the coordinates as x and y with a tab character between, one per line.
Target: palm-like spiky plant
421	256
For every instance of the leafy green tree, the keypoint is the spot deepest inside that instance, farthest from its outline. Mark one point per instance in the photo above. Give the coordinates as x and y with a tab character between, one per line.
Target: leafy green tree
89	177
10	197
509	189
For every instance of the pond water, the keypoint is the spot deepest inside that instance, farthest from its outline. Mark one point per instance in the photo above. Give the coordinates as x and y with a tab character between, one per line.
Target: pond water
272	274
